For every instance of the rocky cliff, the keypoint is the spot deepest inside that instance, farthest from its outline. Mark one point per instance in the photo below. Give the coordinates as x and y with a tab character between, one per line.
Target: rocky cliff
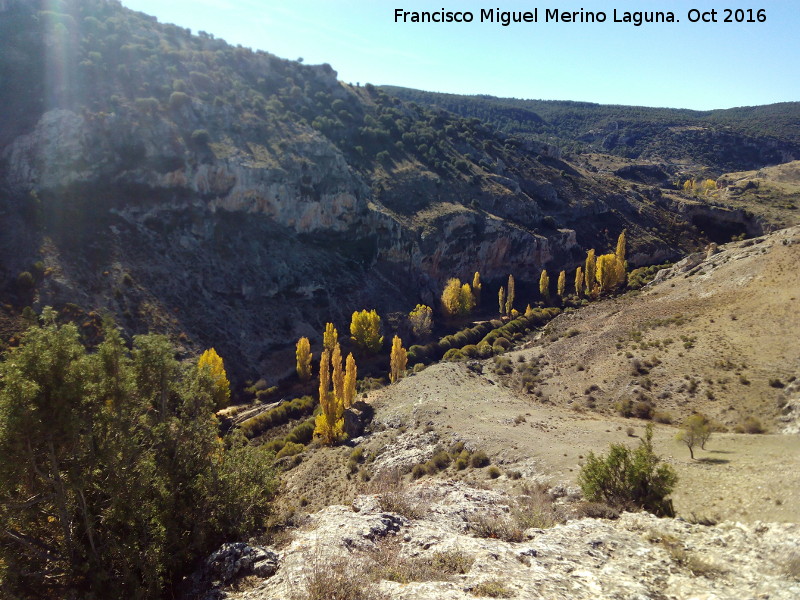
233	199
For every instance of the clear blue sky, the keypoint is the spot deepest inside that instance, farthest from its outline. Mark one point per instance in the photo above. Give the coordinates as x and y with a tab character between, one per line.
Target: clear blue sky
683	65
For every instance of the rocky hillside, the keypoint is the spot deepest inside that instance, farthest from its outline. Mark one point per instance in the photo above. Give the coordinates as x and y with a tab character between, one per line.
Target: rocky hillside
723	140
400	513
233	199
437	554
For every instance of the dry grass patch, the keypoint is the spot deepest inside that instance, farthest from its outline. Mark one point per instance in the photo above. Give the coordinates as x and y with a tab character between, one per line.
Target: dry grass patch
339	579
387	562
496	527
492	589
394	497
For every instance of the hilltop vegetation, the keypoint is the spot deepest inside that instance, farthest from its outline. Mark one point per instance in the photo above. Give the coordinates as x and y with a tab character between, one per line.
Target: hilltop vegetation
723	140
230	198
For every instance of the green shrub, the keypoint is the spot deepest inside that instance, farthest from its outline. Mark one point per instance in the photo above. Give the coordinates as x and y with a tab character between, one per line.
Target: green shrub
479	460
750	425
290	449
493	472
453	355
200	137
629	478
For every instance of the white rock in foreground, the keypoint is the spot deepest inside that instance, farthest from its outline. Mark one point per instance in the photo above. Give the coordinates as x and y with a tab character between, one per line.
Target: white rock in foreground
637	556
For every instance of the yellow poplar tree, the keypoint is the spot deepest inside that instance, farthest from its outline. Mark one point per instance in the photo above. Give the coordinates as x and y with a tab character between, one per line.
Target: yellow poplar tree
421	319
544	285
337	377
350	373
304	356
562	283
510	295
589	271
466	300
329	424
477	287
579	282
397	360
365	327
610	273
501	299
450	297
212	363
330	338
621	243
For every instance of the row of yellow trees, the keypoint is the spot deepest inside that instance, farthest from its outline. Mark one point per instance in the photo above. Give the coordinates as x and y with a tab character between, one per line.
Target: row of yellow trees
337	383
599	275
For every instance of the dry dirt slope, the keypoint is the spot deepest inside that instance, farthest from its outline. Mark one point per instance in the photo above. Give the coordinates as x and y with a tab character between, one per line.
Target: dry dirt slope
715	333
733	321
544	435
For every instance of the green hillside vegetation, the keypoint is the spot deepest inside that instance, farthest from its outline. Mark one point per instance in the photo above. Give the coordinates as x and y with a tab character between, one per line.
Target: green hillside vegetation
731	139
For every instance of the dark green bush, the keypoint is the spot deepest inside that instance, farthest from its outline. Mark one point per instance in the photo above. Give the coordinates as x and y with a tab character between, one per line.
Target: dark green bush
479	460
627	478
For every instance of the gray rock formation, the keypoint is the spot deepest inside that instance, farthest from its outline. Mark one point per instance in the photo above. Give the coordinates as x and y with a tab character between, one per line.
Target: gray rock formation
637	556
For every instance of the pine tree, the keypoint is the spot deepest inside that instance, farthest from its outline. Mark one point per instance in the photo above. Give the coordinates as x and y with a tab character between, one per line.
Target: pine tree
397	360
579	282
589	272
365	327
211	362
510	293
562	283
501	299
544	285
304	356
350	373
330	338
421	319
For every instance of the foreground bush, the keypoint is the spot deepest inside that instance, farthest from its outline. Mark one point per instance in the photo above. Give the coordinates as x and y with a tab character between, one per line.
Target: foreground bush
113	480
630	479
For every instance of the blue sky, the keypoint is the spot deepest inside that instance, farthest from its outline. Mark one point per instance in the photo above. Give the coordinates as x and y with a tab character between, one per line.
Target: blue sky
684	65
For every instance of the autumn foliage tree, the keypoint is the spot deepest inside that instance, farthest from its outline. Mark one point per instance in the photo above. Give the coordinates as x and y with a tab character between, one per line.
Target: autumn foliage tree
330	337
329	424
457	299
589	271
510	295
562	283
477	287
350	373
211	363
544	285
579	282
365	331
397	360
303	356
501	299
421	320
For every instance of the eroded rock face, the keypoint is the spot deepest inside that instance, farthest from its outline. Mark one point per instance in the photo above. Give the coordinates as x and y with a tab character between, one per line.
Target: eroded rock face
240	245
637	556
